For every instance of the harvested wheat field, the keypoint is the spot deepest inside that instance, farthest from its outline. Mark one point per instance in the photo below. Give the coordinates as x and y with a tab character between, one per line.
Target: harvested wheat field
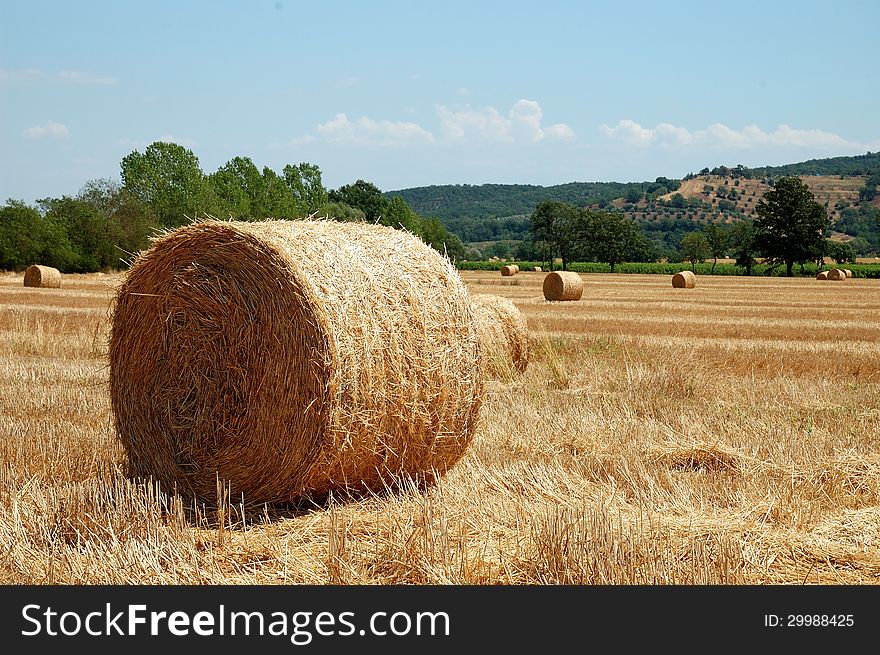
728	435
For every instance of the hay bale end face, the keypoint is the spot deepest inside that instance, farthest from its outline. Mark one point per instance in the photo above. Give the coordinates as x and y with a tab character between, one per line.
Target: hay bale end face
563	285
836	274
510	269
823	275
684	280
44	277
292	359
503	335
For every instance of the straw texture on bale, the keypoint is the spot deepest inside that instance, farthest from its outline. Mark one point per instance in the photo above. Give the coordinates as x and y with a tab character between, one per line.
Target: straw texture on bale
45	277
836	274
510	269
503	335
563	285
848	272
292	359
823	275
684	280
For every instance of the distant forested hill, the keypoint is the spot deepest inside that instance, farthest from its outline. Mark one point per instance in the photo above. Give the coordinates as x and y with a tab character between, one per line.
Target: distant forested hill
495	212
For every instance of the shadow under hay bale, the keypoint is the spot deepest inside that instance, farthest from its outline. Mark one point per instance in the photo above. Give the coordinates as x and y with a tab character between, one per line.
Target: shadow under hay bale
684	280
44	277
563	285
291	359
503	335
510	269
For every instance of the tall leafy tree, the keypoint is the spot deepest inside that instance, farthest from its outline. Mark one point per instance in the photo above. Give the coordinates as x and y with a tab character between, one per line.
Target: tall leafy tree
92	234
790	224
717	239
132	222
743	244
239	187
304	181
167	178
553	224
365	196
610	237
27	237
695	248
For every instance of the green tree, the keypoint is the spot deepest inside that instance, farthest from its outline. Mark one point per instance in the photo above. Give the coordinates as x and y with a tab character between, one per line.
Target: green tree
132	222
166	177
27	237
552	224
365	196
304	181
92	234
842	252
743	245
239	188
610	237
695	248
790	224
717	238
398	214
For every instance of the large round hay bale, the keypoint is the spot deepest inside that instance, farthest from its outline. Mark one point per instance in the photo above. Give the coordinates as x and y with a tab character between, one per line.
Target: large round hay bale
847	272
44	277
510	269
503	335
684	280
292	358
563	285
823	275
836	274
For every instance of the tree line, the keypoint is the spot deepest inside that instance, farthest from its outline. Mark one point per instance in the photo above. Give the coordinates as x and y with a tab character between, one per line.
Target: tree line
108	222
788	227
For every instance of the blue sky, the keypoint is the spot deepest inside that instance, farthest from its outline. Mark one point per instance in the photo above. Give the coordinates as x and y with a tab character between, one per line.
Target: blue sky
414	93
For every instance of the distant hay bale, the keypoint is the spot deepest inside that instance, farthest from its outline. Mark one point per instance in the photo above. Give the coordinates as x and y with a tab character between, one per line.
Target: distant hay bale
503	335
44	277
292	359
848	272
684	280
537	269
836	274
510	269
563	285
823	275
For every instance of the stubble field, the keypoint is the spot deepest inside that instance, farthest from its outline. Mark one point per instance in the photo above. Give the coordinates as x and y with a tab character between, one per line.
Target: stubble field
726	434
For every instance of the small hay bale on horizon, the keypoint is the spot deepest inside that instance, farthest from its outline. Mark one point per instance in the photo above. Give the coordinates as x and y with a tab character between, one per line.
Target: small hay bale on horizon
836	274
822	275
848	272
537	269
43	277
563	285
292	359
509	269
503	335
684	280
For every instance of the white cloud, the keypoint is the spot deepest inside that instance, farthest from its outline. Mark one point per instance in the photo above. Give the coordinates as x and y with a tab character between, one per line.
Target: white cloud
51	130
80	77
365	131
523	123
720	135
22	75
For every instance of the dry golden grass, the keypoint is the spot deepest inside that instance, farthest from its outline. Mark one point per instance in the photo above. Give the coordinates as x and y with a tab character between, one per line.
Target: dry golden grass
724	436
